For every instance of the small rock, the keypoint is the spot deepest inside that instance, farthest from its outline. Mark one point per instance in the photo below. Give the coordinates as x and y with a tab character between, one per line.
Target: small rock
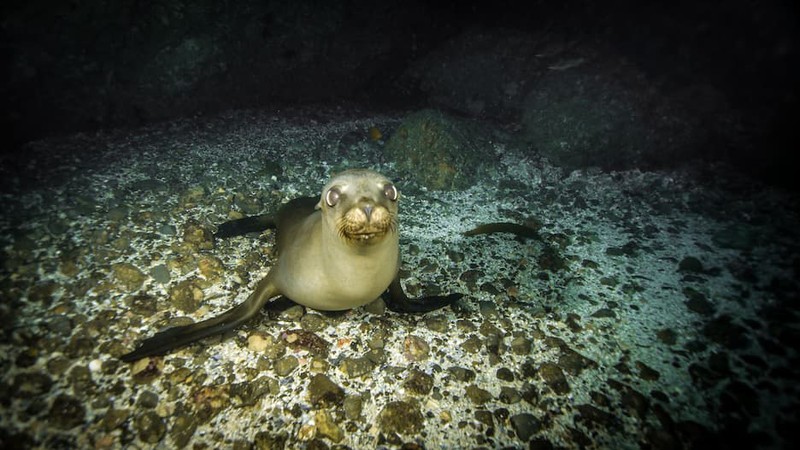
356	367
473	344
31	384
605	313
323	392
210	267
690	264
286	365
504	374
509	395
353	405
521	345
66	412
646	372
257	342
114	418
592	415
150	427
485	417
415	348
667	336
146	370
418	382
462	373
147	400
248	393
377	307
198	236
292	313
478	395
306	340
400	417
313	322
182	431
186	296
327	427
525	425
437	323
554	377
265	440
128	276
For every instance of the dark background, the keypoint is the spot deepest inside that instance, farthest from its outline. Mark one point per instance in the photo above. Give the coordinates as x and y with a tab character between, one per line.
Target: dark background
73	66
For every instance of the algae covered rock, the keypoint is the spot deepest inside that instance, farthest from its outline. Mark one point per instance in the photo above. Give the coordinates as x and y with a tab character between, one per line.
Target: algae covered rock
128	276
401	417
439	151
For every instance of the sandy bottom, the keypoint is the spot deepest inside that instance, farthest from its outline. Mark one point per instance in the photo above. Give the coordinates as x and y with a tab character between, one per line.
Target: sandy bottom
653	310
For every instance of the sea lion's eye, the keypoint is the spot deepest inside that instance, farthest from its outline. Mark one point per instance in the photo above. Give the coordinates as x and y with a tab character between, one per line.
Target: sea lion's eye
332	197
390	191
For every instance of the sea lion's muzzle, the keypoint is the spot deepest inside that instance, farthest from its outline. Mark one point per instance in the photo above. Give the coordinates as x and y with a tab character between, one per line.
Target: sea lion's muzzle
365	223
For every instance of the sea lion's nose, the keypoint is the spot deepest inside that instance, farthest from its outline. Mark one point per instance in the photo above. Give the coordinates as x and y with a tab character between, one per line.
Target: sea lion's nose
368	211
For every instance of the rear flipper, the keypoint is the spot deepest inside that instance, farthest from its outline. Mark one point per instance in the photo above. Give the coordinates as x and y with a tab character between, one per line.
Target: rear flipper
176	337
398	301
245	225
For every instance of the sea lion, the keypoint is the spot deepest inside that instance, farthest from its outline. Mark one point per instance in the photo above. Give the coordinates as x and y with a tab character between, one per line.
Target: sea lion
335	252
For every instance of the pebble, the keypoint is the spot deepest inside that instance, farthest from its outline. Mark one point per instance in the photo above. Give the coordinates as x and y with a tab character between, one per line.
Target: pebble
147	399
521	345
377	307
313	322
356	367
257	342
95	365
415	348
418	382
462	373
286	365
128	276
353	405
327	427
438	324
400	417
323	392
248	393
293	313
690	264
554	377
31	384
182	430
66	412
150	427
478	396
197	236
509	395
525	425
504	374
186	296
210	267
114	418
306	340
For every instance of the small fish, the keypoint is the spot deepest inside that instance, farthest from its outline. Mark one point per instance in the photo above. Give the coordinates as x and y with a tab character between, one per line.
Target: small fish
375	134
505	227
567	64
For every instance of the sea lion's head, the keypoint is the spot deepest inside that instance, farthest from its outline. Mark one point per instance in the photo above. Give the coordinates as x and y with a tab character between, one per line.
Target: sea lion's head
360	206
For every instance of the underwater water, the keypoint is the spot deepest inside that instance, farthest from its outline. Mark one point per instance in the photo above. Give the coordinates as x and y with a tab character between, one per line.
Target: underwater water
654	310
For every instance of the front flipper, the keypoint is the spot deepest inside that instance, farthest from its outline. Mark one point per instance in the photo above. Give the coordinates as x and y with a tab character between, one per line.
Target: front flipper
245	225
398	301
176	337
